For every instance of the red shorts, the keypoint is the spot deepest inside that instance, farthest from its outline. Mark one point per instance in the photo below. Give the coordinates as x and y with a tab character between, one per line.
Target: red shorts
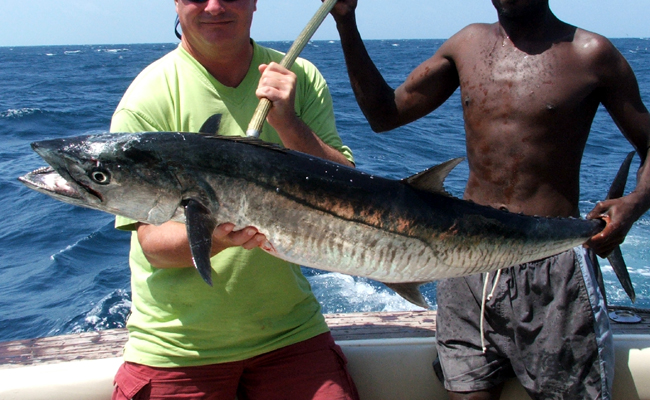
309	370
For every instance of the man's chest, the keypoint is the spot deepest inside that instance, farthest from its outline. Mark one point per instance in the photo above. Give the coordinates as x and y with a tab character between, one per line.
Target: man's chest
508	82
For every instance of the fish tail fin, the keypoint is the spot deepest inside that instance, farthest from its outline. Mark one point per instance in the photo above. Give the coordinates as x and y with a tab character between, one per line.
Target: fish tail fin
616	257
620	180
620	268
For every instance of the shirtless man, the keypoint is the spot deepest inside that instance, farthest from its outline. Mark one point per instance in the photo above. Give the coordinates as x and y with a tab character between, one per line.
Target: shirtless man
530	86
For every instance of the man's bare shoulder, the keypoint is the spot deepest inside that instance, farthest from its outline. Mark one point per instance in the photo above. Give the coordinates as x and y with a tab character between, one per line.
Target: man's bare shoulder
599	53
469	36
476	31
593	45
480	28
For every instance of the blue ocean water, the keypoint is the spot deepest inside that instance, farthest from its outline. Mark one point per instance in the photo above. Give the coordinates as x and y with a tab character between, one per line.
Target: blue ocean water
64	269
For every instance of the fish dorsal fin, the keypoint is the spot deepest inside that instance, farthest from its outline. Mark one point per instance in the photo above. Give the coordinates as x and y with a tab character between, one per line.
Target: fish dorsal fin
211	125
252	141
210	129
432	180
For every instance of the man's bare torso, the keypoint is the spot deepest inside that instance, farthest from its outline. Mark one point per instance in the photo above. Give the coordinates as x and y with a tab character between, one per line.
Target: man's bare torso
527	114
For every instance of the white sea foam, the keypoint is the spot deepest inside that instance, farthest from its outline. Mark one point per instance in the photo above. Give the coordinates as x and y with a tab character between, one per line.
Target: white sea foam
18	112
113	50
109	312
344	293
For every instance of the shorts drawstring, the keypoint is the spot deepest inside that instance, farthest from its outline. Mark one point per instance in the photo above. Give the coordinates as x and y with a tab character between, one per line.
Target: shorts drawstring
483	299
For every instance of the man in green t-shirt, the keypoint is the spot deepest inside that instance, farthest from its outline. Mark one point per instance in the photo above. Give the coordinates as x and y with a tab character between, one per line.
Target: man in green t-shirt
258	332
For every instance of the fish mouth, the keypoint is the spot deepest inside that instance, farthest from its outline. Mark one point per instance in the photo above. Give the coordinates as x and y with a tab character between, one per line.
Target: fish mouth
55	180
48	181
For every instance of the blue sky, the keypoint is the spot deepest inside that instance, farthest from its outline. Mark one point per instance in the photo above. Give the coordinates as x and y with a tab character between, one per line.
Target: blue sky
61	22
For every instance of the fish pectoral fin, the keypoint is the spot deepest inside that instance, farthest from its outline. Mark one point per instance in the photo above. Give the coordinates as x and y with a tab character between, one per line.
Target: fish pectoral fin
432	180
620	268
410	291
200	226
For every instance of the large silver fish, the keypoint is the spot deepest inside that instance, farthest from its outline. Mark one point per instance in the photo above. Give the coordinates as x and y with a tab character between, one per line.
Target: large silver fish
313	212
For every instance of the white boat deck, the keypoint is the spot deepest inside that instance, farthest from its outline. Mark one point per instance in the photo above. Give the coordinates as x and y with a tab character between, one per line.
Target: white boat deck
389	353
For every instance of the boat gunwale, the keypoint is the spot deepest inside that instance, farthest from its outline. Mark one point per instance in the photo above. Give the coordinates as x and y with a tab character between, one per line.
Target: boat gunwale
356	329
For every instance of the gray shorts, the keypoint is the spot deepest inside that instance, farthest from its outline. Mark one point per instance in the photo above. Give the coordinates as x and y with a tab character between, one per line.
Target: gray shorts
546	324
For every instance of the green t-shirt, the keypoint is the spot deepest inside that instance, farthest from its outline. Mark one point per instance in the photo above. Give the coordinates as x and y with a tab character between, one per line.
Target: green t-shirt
258	303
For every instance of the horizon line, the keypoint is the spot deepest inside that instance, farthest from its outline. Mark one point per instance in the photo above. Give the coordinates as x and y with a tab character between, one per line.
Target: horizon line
258	41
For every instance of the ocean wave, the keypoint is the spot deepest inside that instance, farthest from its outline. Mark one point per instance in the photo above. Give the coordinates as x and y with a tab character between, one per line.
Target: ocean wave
112	50
62	266
339	293
103	241
20	112
639	270
644	220
110	312
73	246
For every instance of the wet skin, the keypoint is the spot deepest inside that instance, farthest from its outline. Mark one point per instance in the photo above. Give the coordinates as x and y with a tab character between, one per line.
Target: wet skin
530	86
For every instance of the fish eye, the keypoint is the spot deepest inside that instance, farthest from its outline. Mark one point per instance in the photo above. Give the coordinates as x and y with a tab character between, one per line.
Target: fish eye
100	176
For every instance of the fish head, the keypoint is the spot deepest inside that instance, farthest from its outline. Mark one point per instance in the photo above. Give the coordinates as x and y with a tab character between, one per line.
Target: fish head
114	173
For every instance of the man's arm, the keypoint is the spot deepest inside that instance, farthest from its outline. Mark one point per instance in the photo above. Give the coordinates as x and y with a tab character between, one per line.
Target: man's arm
167	246
425	89
278	84
619	93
